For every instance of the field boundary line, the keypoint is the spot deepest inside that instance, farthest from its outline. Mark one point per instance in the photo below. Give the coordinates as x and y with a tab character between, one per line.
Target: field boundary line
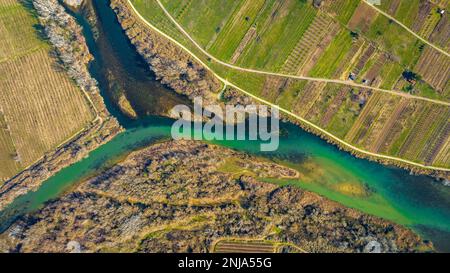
21	54
381	156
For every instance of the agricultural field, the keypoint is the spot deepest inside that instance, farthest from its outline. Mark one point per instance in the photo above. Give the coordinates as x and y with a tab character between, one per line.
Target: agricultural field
240	23
423	17
13	44
206	17
377	122
333	56
342	10
333	40
393	50
40	107
312	43
346	40
278	32
435	69
258	34
393	39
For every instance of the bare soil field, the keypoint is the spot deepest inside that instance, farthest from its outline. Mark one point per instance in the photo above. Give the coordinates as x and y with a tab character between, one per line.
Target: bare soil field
435	68
363	17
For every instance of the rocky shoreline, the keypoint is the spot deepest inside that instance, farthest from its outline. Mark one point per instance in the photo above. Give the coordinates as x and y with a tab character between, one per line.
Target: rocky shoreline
66	37
159	52
182	196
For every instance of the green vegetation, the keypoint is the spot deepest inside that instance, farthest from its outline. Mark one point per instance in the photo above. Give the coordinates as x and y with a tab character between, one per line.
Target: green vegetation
14	16
395	40
151	9
232	33
323	103
248	81
405	132
424	89
390	73
333	56
345	9
278	34
344	118
289	95
407	10
204	18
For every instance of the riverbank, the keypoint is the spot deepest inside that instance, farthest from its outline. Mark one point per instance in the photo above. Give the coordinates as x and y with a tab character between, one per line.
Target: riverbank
75	57
172	66
198	198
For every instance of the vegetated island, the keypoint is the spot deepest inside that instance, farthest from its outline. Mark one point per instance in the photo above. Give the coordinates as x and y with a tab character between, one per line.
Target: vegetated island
186	196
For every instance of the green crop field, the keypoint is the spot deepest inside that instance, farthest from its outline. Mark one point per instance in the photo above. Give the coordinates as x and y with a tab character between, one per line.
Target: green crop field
278	33
234	30
342	9
390	73
406	11
205	18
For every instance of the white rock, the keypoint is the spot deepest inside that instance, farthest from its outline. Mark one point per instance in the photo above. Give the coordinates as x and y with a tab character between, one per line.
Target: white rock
73	247
74	3
372	247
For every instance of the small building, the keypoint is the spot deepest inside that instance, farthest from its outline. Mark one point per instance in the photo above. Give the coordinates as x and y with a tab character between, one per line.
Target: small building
352	76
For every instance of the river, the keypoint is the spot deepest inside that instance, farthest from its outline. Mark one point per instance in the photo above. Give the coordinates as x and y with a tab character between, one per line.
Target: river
418	202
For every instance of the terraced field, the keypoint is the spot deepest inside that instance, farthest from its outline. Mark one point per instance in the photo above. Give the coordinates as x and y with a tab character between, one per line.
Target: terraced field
307	45
435	69
40	107
346	40
233	246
